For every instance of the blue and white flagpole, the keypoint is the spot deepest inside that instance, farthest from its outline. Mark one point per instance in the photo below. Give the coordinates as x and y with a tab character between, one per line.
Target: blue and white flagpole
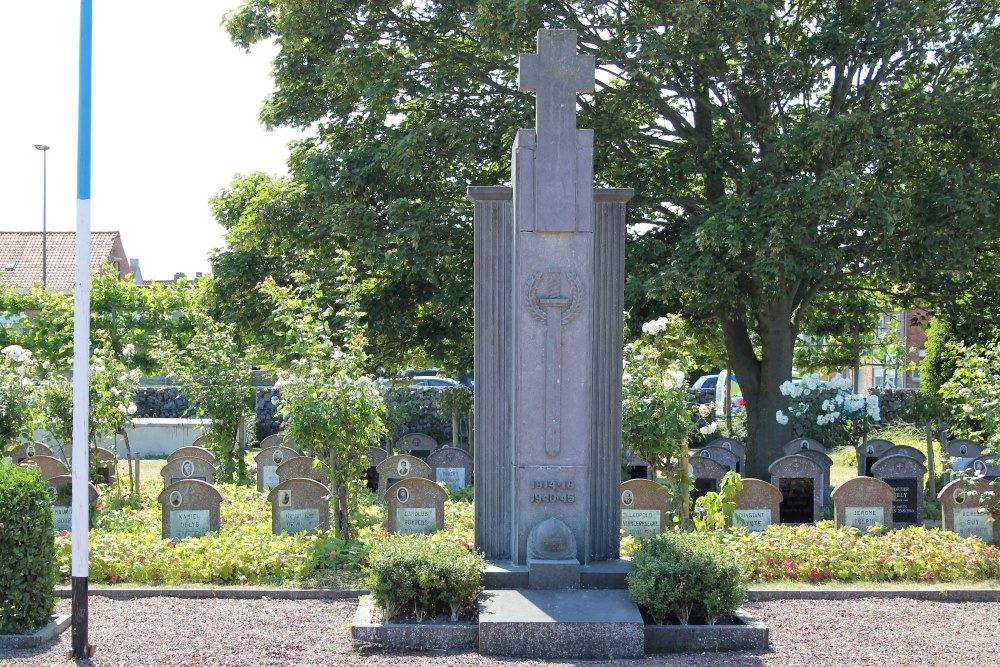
81	347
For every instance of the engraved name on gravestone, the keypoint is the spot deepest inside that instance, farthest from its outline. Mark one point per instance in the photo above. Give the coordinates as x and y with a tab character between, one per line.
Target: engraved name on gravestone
268	460
190	507
870	452
758	505
192	452
299	504
27	450
400	466
799	480
863	502
304	467
736	447
61	490
48	466
416	505
188	468
549	276
906	476
963	511
643	505
452	466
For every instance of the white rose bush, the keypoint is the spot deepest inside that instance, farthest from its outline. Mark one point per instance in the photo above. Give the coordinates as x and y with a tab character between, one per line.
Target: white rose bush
18	381
828	411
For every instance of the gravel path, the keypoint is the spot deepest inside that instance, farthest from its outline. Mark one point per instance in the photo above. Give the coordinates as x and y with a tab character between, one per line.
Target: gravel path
158	632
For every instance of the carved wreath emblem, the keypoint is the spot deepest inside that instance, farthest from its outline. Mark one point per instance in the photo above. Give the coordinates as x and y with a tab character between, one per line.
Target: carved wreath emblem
554	283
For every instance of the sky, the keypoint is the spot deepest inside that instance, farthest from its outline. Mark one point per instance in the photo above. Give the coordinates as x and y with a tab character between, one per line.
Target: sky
175	117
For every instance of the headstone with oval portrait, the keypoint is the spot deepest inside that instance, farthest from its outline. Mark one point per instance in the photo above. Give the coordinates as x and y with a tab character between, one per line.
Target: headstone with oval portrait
799	479
906	476
984	466
725	457
190	507
799	445
758	505
736	447
26	450
304	467
870	452
268	460
863	502
299	505
48	466
964	511
416	505
193	452
375	456
61	490
643	504
706	473
400	466
188	468
452	466
106	464
963	454
419	445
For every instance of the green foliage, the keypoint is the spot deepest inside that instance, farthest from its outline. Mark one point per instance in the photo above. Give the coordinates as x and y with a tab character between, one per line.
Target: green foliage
823	553
427	573
17	388
686	575
714	511
26	550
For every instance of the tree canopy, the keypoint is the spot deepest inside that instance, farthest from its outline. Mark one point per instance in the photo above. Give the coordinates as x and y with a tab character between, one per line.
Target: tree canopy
777	149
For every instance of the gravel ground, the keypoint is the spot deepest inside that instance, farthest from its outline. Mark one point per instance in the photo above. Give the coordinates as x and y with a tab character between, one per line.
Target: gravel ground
171	631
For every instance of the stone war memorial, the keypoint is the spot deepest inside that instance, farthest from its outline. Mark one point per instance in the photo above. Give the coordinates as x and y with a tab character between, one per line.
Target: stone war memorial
549	293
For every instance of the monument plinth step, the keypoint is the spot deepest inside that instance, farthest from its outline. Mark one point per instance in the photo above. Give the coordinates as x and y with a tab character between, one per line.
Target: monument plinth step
546	624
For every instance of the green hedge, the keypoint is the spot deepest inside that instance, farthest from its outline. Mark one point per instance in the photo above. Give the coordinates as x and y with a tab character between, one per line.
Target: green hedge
27	551
427	573
687	576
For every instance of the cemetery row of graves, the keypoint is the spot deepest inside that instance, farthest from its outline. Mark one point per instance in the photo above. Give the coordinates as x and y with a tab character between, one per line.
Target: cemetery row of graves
186	528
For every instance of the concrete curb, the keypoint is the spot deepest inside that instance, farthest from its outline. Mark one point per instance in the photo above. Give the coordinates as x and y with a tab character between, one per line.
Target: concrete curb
936	595
53	629
219	593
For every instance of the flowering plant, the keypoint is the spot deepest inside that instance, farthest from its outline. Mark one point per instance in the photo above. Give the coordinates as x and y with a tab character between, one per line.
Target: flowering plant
828	411
17	383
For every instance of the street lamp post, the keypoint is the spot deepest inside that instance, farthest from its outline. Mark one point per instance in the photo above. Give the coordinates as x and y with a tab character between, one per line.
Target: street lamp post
45	168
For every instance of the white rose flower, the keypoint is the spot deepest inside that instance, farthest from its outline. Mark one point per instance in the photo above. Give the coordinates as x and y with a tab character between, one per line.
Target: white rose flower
781	417
708	428
128	350
705	409
132	408
122	409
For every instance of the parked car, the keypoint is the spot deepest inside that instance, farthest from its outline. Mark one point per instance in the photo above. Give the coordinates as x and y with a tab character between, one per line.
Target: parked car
434	381
706	382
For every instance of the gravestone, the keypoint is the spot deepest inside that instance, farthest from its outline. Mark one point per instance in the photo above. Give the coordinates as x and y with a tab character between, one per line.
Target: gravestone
416	505
636	468
736	447
643	505
60	488
48	466
193	452
200	441
106	464
870	452
724	457
963	512
983	467
303	467
27	450
375	456
549	301
758	505
963	448
190	507
416	444
188	468
801	445
400	466
277	440
706	474
452	466
268	460
826	463
905	450
863	502
299	504
906	476
799	479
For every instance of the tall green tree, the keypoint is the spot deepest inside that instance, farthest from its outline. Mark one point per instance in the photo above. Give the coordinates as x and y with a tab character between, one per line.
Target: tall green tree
777	148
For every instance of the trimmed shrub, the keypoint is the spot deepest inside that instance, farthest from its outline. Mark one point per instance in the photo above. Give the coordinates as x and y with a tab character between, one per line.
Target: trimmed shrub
425	572
686	575
27	551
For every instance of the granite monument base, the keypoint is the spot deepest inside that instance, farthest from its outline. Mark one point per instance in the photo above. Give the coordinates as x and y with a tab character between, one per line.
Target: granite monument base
553	574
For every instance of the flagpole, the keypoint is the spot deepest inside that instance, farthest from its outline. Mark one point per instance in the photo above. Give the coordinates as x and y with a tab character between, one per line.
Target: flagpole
81	348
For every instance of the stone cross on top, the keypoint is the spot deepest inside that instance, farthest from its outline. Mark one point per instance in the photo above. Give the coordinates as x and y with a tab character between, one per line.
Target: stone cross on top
557	74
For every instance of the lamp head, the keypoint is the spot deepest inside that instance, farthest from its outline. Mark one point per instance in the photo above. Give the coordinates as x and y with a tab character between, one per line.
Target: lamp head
42	147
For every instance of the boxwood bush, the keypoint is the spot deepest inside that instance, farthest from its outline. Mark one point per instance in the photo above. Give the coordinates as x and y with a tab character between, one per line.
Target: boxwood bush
27	550
427	573
686	576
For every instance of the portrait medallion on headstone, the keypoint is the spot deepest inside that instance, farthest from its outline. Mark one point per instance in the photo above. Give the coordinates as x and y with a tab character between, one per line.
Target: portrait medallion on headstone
304	467
906	476
179	469
870	452
193	452
643	507
61	490
267	461
452	466
799	479
419	445
27	450
299	505
758	505
416	505
190	507
48	466
963	510
400	466
863	502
